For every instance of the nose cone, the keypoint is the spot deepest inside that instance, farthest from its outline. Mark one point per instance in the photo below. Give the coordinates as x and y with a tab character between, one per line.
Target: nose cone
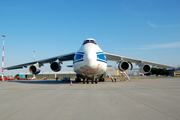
91	59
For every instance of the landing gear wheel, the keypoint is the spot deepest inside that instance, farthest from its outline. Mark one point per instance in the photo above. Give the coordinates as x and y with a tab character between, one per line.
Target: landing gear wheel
76	80
87	82
95	81
83	81
92	82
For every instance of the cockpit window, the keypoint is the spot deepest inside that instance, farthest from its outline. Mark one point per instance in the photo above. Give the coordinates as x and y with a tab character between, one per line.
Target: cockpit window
78	57
89	41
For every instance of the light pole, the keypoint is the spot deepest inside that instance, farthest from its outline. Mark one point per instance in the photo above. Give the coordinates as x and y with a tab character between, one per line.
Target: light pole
34	60
3	59
34	55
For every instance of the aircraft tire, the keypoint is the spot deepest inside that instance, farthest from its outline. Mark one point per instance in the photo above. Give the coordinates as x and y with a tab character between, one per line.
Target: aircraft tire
76	80
92	81
95	81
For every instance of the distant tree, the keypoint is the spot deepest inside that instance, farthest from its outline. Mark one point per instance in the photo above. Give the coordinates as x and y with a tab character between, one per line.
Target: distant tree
158	71
17	75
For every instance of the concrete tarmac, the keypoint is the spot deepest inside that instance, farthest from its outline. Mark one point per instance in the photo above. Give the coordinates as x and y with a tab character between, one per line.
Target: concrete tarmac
139	99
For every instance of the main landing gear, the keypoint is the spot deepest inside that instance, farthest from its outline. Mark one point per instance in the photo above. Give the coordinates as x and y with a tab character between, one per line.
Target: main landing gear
94	81
77	79
87	80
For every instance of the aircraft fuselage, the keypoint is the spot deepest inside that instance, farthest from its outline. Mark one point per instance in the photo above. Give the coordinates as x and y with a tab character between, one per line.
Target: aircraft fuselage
90	61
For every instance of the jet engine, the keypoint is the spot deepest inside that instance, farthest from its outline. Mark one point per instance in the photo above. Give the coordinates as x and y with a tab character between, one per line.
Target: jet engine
145	69
123	65
34	70
55	66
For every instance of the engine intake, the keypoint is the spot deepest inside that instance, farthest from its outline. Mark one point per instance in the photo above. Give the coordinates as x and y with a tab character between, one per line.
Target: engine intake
55	66
123	65
34	70
145	69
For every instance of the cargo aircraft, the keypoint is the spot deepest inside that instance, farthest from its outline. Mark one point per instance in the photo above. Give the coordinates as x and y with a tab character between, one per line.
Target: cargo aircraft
89	63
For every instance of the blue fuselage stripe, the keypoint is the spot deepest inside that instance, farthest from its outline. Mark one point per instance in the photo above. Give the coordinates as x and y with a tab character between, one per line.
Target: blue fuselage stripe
78	61
102	61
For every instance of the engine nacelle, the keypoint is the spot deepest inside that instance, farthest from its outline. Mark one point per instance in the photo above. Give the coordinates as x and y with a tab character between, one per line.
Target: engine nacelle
55	66
123	65
145	69
34	70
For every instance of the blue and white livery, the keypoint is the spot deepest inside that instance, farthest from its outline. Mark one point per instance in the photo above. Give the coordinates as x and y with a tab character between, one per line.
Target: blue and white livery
89	62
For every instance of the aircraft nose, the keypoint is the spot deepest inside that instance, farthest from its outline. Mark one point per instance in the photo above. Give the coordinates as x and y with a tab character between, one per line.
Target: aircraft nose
91	61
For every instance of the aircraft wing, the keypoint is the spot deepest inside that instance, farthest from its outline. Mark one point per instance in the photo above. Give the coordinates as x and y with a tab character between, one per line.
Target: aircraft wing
61	58
113	57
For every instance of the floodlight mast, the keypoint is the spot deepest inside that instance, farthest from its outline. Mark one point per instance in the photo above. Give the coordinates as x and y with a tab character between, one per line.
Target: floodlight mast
3	59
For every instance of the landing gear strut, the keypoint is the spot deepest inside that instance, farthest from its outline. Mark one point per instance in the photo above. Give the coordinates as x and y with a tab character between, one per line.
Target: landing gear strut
78	79
101	79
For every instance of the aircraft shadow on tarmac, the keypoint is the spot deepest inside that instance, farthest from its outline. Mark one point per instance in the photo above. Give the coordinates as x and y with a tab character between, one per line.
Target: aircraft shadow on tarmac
45	82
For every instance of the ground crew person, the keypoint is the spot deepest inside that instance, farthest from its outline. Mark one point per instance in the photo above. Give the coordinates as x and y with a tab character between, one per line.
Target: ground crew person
115	79
57	78
112	79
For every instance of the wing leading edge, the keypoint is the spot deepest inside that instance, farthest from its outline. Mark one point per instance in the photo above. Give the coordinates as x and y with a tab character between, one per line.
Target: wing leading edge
66	57
113	57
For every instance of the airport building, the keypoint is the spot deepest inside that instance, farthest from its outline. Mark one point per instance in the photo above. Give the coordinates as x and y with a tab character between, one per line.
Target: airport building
50	75
175	72
114	72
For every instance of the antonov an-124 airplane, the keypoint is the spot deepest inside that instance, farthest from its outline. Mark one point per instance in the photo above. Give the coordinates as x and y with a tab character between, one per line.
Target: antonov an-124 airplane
89	63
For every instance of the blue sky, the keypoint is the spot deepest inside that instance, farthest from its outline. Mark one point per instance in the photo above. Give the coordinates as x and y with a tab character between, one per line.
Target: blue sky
141	29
